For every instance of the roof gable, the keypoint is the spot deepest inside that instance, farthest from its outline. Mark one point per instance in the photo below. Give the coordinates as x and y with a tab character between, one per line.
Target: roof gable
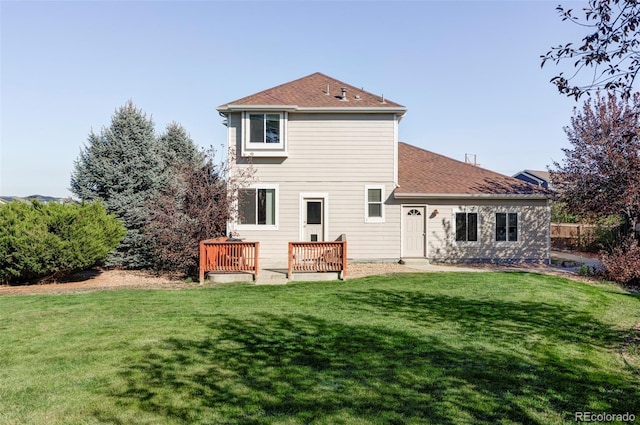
542	175
315	91
421	172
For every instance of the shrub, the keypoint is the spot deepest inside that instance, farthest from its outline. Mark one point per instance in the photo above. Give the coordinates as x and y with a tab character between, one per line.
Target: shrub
559	213
622	264
194	208
195	205
606	234
50	240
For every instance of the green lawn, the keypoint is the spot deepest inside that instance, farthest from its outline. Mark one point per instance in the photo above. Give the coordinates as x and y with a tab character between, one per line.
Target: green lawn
445	348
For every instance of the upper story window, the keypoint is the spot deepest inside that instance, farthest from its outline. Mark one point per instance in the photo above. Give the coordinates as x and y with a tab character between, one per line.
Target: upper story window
264	133
264	128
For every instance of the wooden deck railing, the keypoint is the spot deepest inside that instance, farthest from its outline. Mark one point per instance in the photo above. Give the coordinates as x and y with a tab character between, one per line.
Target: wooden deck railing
318	257
220	255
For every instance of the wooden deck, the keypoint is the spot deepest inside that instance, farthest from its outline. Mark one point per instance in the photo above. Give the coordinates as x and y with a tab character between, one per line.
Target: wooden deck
223	256
318	257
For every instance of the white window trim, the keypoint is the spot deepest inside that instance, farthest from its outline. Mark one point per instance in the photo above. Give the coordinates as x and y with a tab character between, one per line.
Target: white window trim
475	210
264	149
275	226
516	211
325	203
368	219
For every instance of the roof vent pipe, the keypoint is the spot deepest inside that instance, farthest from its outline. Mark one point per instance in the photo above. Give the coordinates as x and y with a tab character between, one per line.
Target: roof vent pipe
344	94
327	92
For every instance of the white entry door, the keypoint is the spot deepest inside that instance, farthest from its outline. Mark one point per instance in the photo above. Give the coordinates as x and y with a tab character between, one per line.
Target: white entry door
313	219
413	233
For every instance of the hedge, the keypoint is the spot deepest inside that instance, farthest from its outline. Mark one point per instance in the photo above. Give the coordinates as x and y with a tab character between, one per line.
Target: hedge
50	240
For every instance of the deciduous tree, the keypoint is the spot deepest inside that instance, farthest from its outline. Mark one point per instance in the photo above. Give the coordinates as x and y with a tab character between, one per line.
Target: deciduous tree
599	175
608	57
196	205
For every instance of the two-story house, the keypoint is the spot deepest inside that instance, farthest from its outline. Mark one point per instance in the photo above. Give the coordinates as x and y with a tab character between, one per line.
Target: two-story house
328	162
539	178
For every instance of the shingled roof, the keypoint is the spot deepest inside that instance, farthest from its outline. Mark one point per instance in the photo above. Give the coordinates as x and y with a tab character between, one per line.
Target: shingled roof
315	91
425	174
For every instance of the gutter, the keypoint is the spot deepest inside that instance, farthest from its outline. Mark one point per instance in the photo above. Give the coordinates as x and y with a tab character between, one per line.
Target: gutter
233	108
399	110
292	108
469	196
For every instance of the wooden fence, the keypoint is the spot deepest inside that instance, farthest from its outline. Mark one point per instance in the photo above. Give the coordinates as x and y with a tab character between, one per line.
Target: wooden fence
318	257
223	256
572	235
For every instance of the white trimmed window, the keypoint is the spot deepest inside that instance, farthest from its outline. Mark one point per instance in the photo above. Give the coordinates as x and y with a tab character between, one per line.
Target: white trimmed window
507	224
264	133
257	208
467	226
374	204
264	128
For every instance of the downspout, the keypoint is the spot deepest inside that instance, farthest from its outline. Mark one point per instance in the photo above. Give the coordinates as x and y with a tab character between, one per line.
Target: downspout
548	226
225	122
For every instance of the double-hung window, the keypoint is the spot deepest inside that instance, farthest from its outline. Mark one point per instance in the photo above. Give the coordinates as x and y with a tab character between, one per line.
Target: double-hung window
506	227
466	227
257	206
374	204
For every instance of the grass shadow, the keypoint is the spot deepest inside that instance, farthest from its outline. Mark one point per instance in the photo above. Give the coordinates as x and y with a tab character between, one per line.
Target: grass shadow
304	369
494	319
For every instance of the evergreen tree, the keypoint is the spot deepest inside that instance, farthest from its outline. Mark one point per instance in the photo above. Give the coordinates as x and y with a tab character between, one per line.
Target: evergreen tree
177	146
123	167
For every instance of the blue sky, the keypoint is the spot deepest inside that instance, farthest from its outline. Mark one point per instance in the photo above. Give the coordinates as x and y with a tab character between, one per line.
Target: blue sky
468	72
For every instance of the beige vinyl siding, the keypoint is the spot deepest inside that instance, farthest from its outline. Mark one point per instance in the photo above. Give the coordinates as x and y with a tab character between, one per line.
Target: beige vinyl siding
336	155
335	148
533	232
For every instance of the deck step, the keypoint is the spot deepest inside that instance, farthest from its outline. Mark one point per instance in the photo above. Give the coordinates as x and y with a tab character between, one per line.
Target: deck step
272	277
